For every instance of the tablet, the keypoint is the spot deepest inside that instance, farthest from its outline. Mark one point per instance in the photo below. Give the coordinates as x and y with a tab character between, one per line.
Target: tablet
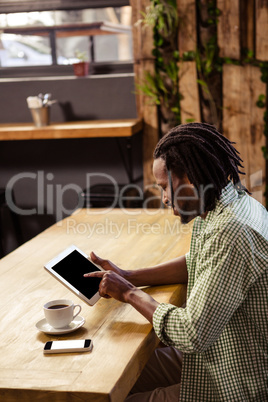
69	267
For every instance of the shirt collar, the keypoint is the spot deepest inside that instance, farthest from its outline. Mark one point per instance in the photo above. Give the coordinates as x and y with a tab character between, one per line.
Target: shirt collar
228	195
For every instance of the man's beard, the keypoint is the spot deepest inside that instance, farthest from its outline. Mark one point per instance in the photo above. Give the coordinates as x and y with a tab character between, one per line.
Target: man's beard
187	212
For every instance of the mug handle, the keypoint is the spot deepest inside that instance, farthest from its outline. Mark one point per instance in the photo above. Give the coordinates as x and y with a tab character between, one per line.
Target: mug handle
80	308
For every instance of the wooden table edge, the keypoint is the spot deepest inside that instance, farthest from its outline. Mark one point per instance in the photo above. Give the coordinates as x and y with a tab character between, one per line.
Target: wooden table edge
69	130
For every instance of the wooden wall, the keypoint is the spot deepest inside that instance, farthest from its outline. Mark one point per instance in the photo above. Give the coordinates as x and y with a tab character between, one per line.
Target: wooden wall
241	24
144	61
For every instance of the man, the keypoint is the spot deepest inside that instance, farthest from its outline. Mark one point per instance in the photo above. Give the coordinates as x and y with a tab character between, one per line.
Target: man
223	331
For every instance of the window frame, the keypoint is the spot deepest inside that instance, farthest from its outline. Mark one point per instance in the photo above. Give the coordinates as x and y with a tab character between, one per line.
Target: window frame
17	6
54	69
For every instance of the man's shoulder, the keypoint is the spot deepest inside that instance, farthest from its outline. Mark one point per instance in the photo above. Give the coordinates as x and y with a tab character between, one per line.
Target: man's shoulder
242	215
246	212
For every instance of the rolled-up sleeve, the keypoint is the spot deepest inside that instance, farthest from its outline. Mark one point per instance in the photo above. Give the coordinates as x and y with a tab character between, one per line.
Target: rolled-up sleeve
168	324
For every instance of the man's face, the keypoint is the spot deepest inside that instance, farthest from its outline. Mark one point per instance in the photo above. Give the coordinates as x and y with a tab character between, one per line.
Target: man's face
186	200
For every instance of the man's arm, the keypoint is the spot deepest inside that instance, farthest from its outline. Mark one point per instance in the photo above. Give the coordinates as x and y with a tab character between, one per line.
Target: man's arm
170	272
121	284
114	285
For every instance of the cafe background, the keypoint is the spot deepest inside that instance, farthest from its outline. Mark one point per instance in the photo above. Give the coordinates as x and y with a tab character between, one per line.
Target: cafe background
165	62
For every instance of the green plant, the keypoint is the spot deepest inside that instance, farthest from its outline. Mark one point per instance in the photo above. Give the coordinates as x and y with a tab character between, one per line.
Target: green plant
208	62
81	56
161	15
162	86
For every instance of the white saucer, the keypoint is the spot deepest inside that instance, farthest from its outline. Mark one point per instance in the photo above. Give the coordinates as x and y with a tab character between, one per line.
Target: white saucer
44	326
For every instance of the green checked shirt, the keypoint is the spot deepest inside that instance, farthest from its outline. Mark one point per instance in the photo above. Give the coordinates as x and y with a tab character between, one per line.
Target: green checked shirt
223	331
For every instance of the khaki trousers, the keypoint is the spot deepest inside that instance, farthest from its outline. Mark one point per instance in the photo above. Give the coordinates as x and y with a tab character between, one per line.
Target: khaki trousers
160	379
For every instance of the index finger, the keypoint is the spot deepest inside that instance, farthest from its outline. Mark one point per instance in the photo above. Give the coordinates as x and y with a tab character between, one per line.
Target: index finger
96	274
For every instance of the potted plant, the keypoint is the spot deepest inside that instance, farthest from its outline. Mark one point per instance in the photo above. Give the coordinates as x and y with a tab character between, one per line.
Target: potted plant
81	68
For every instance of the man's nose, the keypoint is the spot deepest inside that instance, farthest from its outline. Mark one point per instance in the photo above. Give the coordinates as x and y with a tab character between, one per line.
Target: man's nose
165	199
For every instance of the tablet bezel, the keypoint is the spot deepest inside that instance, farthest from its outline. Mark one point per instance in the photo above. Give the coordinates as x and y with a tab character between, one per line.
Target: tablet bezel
49	267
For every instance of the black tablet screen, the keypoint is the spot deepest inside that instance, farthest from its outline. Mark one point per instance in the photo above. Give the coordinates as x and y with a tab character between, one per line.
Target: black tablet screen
73	267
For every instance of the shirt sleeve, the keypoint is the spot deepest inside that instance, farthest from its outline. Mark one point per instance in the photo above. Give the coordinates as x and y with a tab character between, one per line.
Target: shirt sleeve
221	283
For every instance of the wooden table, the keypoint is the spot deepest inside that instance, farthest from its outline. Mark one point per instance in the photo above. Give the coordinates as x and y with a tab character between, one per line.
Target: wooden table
79	129
123	339
118	129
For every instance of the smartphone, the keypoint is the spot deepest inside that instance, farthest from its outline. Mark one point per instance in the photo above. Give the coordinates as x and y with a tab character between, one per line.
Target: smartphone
81	345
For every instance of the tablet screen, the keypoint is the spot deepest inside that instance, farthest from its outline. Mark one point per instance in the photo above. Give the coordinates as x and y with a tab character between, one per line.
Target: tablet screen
73	267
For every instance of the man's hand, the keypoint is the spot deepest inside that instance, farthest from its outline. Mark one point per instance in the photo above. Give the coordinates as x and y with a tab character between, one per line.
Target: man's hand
112	284
123	284
107	265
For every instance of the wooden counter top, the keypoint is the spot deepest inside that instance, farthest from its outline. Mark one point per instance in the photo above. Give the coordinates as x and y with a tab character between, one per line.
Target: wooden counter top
123	339
79	129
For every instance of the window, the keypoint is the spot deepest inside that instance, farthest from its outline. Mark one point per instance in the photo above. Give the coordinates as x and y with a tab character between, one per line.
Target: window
56	38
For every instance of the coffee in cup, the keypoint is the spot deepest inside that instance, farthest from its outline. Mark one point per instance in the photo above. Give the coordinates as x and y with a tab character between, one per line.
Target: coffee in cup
60	313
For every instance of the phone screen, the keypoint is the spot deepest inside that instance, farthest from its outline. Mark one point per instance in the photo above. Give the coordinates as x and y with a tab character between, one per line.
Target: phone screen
73	267
82	345
73	344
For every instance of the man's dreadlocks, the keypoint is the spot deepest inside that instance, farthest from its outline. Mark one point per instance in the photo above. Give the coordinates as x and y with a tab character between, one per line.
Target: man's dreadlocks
199	151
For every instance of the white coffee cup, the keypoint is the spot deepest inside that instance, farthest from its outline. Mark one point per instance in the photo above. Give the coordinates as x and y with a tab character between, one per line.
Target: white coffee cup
60	313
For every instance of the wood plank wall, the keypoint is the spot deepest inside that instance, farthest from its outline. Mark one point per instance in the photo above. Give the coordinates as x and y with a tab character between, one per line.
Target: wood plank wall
144	61
187	41
243	121
242	24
